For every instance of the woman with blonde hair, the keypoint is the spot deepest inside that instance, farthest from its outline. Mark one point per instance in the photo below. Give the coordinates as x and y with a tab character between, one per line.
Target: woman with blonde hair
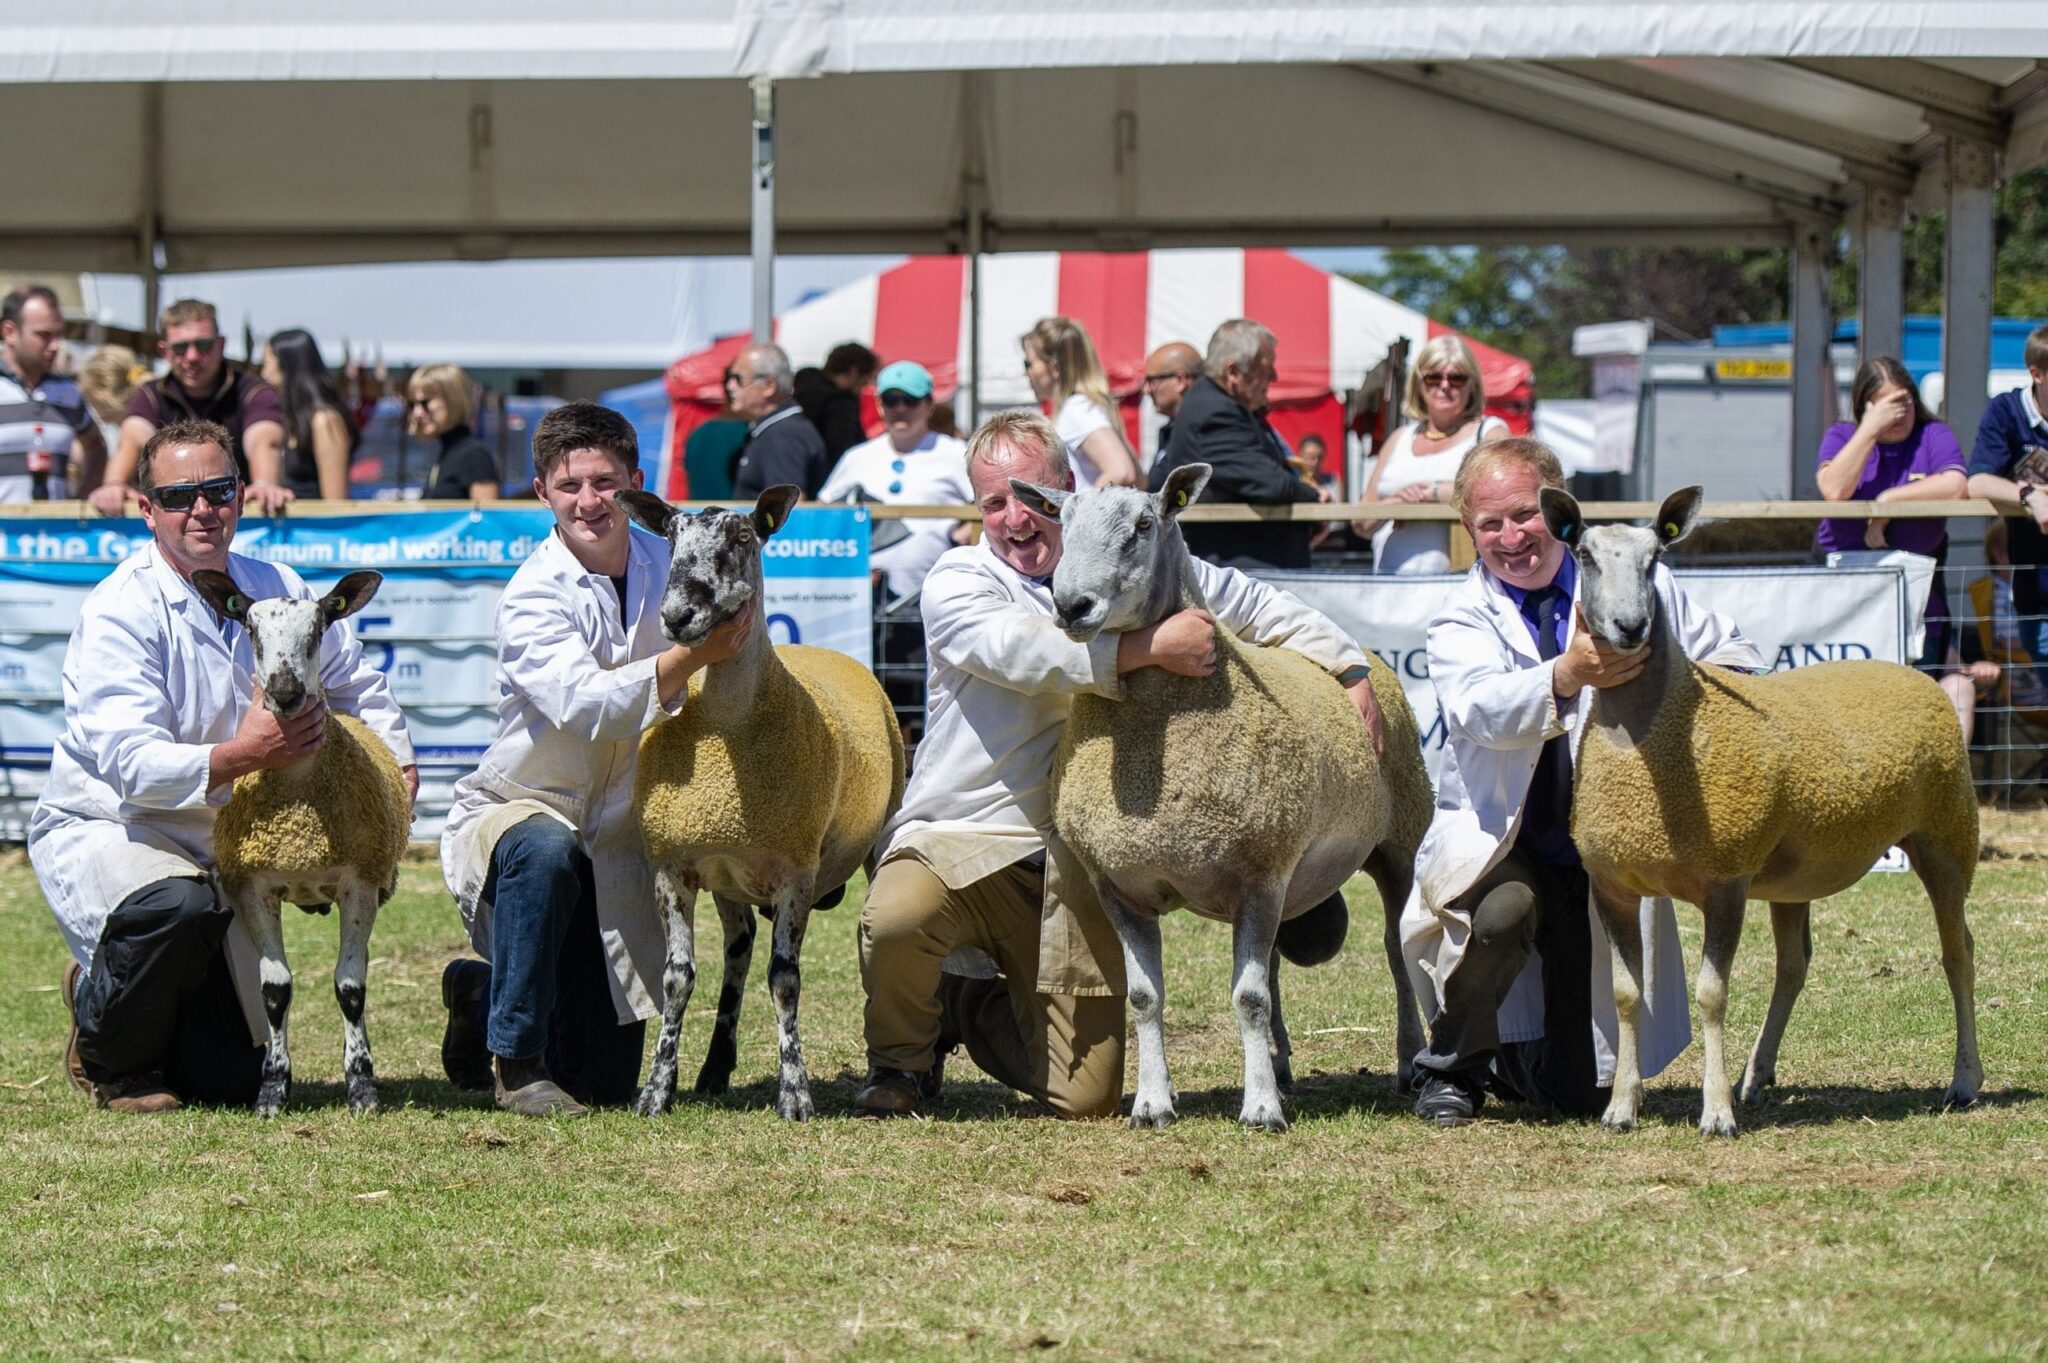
440	402
107	380
1446	404
1060	362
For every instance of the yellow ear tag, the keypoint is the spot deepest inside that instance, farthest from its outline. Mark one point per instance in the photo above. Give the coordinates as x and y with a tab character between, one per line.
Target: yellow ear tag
339	603
1671	529
1180	498
237	604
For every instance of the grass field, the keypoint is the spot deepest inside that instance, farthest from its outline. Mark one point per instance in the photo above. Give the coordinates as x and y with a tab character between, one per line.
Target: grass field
1851	1220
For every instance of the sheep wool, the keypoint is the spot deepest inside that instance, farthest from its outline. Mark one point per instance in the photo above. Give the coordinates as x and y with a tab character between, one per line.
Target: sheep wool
1799	779
811	773
1411	795
344	807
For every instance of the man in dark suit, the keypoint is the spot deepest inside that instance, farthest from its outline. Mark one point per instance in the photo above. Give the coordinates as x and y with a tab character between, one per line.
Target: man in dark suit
1218	425
782	445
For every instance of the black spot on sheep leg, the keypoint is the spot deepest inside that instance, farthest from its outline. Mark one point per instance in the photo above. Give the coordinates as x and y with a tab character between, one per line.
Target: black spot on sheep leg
259	915
677	900
351	986
722	1056
1281	1047
793	1091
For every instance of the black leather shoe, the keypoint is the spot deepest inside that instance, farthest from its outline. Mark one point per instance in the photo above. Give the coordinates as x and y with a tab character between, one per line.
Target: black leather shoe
1447	1100
465	1058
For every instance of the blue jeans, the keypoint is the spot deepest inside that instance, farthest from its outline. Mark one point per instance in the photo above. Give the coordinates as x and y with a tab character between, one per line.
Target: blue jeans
550	988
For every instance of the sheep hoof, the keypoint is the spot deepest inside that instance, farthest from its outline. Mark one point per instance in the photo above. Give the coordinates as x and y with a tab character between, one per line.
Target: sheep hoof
1265	1117
1958	1097
1151	1116
1283	1073
712	1082
1404	1080
1718	1124
1619	1122
270	1098
1753	1086
652	1102
794	1105
362	1096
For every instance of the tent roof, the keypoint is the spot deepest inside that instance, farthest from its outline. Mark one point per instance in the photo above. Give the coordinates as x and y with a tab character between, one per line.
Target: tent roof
233	134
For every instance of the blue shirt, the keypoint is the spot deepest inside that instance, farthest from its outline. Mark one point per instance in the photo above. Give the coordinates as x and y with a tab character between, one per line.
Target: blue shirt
2009	428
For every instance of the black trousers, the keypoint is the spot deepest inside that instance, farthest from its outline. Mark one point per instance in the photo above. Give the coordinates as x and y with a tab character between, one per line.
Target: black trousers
1520	904
160	998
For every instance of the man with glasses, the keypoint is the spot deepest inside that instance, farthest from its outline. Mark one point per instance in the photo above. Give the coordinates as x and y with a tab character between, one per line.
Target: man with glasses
1169	372
161	715
48	440
907	465
782	445
1219	423
202	386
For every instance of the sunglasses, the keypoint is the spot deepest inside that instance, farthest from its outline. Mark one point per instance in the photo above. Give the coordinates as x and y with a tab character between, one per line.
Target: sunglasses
203	346
423	402
1447	379
220	493
1151	379
741	380
892	398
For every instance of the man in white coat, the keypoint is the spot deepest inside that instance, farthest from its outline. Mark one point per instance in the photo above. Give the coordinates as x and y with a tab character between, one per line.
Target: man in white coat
160	716
1497	877
967	862
539	849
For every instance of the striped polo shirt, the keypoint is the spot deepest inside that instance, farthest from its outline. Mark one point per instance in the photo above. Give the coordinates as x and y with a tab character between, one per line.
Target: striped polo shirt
38	418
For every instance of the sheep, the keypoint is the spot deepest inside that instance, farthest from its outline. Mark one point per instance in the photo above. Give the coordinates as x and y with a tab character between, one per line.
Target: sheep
1714	787
1248	795
327	829
768	788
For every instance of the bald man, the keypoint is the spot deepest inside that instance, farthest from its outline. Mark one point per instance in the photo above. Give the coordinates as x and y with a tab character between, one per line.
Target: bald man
782	444
1169	371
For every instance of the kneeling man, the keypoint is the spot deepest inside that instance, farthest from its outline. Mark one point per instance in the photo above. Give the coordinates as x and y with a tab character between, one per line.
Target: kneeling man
1497	876
160	716
969	861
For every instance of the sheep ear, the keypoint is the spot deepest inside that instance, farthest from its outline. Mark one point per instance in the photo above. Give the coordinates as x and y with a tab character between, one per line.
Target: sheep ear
1680	511
1561	513
650	510
772	507
219	591
1183	487
349	595
1045	501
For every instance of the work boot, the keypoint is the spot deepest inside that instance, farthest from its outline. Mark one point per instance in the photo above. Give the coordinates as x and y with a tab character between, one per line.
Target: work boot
1449	1099
465	1057
74	1067
141	1095
524	1087
899	1093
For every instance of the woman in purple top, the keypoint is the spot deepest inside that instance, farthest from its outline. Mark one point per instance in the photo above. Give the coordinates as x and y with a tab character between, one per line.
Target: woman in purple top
1895	451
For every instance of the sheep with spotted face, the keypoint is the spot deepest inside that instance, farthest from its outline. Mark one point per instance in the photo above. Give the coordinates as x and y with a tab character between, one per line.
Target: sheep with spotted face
1718	788
768	788
328	829
1248	796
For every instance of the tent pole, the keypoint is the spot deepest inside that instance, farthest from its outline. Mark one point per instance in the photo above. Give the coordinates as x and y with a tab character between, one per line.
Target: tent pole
1810	357
971	410
149	239
764	207
1966	288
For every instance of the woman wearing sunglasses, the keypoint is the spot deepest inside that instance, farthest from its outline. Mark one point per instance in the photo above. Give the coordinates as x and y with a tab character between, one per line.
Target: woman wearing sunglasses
439	406
1417	463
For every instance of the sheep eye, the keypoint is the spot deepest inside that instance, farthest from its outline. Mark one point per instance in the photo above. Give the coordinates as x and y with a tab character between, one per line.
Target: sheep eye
1143	526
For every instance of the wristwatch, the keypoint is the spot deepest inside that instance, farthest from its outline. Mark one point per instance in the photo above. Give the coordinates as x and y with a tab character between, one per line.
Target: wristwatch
2026	490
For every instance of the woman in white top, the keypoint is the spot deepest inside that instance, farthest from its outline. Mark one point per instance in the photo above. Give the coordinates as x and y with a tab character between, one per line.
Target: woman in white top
1418	462
1060	362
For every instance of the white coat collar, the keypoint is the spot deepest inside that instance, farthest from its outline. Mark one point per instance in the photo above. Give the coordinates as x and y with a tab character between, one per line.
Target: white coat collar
1018	584
646	567
1507	616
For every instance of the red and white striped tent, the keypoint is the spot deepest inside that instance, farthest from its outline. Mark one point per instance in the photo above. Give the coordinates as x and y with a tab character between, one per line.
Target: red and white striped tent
1332	334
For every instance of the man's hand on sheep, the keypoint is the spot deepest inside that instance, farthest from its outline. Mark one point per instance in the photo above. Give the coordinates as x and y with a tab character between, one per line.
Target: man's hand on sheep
264	741
1591	662
679	662
1368	707
1184	644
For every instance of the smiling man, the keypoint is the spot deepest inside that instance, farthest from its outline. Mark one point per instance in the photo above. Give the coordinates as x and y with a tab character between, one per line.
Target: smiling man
1497	875
967	863
160	717
540	849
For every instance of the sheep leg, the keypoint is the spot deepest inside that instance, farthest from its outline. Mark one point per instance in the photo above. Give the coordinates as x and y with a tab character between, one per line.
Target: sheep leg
675	893
785	985
1724	908
351	980
1146	989
724	1053
1946	875
1619	910
1251	995
1792	932
1395	876
259	914
1281	1048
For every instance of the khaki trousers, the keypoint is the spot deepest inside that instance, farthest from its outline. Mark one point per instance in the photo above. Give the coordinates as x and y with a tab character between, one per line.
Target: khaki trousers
1065	1050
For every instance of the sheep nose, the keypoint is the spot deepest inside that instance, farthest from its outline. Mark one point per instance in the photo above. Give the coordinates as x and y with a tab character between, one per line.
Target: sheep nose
1074	609
284	694
675	621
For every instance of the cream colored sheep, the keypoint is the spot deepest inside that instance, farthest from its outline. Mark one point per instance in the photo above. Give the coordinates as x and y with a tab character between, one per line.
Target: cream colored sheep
1710	786
327	829
1249	795
768	788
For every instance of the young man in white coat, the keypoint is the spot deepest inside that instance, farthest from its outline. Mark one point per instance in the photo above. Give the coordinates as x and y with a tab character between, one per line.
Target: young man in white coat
1497	876
539	849
161	715
967	862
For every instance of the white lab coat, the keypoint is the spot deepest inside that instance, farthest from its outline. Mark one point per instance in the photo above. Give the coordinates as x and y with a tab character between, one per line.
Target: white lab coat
576	690
1498	708
152	681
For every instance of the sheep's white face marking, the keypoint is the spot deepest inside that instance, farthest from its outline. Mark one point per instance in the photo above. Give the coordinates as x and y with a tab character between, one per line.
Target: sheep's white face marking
285	632
1118	545
1617	594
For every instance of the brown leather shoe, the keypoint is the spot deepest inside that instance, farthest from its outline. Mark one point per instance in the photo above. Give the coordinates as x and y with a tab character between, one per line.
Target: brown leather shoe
74	1067
141	1095
899	1093
525	1087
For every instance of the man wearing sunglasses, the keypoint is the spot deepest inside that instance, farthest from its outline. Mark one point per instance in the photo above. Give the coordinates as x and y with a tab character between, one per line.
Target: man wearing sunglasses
202	386
161	715
782	444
